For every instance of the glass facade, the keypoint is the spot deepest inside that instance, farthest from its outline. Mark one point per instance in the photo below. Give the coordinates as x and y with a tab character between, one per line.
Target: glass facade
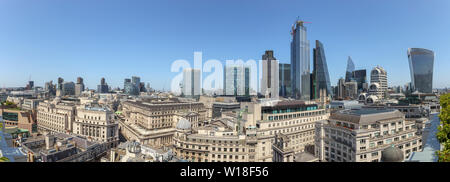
300	64
236	80
421	67
10	116
350	69
360	77
320	72
285	80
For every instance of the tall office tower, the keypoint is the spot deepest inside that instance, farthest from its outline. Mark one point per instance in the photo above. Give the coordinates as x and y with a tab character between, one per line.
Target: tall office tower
360	77
270	73
378	82
60	81
350	69
128	87
191	82
421	67
341	88
320	72
103	87
68	88
79	86
236	80
285	80
300	66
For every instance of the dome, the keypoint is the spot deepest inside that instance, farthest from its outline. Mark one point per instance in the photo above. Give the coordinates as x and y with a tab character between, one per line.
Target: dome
134	147
392	154
372	99
183	124
362	96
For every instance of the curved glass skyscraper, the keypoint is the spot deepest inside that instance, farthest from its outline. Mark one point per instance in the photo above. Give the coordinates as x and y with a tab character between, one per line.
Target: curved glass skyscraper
320	72
421	66
350	69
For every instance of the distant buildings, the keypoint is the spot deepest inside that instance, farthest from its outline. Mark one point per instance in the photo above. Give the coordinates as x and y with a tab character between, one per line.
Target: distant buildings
236	80
300	62
50	88
421	68
103	87
191	85
79	86
285	80
66	88
30	85
361	135
131	86
270	74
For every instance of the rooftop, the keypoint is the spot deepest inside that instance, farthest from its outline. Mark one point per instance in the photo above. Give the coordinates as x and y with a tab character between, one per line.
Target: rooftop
367	115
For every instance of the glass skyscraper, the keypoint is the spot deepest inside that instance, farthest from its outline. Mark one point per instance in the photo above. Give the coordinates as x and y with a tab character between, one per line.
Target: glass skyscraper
300	63
421	66
236	80
350	69
320	72
285	80
360	77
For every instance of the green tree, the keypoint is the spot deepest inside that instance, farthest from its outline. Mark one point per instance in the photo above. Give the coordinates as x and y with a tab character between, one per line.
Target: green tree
443	134
4	159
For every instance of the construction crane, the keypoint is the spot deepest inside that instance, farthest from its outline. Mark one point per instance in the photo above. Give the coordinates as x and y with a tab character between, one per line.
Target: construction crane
298	22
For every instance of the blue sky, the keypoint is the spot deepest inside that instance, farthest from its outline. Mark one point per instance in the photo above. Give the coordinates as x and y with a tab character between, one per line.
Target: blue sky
117	39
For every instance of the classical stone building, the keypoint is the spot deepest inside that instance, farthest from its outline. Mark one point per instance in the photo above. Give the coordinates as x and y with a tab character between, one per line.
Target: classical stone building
219	141
55	116
295	119
360	135
97	124
249	136
282	151
152	121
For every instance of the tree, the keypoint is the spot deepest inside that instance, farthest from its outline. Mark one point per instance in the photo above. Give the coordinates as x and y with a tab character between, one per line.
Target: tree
4	159
443	134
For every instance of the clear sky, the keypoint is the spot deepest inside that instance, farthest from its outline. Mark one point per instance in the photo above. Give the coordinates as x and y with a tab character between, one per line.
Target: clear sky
116	39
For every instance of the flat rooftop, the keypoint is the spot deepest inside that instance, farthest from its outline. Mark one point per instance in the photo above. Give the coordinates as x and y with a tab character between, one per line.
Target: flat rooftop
367	111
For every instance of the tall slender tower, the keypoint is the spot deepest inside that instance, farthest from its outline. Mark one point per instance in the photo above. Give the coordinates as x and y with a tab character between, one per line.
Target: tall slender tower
270	73
300	62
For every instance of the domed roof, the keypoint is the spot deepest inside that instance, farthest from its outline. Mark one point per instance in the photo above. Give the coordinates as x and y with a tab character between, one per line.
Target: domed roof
134	147
183	124
372	99
392	154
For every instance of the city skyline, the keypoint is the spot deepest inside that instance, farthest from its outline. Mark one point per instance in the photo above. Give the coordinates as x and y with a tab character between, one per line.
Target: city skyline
114	51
